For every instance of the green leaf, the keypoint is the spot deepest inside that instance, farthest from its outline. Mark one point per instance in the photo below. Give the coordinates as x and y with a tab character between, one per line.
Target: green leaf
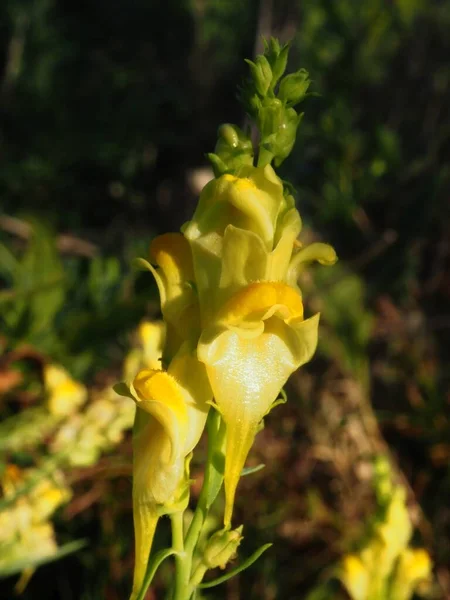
153	566
245	565
251	470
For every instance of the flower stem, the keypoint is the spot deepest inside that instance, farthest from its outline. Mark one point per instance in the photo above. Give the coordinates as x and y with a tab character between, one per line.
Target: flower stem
182	590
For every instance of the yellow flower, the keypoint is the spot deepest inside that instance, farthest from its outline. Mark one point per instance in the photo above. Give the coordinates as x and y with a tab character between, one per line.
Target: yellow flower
413	567
259	340
171	413
355	577
253	335
148	353
65	395
174	276
394	533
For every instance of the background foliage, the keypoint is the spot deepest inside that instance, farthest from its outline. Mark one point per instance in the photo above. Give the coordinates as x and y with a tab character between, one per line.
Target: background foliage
107	110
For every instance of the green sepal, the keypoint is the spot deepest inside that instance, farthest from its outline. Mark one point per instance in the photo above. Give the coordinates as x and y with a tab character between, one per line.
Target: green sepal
153	566
216	457
122	389
245	565
282	399
277	57
218	166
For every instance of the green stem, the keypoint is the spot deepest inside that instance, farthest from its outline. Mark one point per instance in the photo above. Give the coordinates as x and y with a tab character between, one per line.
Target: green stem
265	157
182	590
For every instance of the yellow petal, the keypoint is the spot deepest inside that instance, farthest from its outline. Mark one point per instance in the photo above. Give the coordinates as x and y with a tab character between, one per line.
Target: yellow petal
158	394
244	260
190	374
171	253
355	577
322	253
259	301
175	276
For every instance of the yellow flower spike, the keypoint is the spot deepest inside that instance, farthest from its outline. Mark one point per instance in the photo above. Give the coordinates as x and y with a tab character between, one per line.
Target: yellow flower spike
65	395
247	370
171	414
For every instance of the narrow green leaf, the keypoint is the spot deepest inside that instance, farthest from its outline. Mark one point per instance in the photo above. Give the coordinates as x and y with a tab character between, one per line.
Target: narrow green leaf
251	470
245	565
153	566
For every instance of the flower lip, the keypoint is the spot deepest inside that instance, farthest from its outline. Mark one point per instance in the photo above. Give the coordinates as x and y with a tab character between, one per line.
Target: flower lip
158	394
260	301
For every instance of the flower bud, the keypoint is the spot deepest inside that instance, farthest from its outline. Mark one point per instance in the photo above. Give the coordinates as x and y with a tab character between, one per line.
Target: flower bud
233	150
222	547
293	87
262	74
277	57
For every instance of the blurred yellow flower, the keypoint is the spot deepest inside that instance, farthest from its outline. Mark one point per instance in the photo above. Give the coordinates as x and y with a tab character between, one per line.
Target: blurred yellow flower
355	576
151	337
65	395
385	568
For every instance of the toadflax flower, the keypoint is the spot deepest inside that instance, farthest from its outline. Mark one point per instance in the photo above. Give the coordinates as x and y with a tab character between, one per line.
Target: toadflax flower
253	332
172	407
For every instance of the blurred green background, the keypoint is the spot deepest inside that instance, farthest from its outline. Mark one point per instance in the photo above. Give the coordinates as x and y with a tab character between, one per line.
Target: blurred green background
107	111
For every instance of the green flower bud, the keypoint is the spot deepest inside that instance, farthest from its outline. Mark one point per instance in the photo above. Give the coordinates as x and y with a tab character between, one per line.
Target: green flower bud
293	87
280	129
233	150
222	547
270	118
261	73
277	57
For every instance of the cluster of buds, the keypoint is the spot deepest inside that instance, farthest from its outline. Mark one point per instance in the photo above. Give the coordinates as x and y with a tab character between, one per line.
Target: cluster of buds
386	568
235	326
